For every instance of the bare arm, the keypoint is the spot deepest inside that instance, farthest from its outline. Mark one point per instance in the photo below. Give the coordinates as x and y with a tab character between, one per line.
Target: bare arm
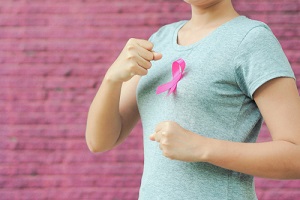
279	103
113	112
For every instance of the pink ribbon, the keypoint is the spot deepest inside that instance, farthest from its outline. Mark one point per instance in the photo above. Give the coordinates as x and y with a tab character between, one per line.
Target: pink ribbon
177	72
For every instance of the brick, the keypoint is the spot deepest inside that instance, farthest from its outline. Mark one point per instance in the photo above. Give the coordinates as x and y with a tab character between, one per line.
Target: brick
71	193
62	82
10	94
47	131
22	82
281	194
70	169
279	184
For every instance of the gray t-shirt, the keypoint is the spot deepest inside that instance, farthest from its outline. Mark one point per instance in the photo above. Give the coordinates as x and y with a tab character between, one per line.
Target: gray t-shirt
214	99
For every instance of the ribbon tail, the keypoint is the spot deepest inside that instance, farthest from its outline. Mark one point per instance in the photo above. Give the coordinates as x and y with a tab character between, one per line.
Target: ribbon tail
176	80
170	85
172	89
164	87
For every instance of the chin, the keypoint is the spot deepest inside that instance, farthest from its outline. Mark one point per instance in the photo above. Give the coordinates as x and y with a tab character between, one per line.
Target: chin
203	3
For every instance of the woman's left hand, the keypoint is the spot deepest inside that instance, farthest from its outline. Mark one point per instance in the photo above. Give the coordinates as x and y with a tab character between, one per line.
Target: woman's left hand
178	143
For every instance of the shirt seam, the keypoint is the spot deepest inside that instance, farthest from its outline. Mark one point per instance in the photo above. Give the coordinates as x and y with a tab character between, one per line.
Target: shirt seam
235	57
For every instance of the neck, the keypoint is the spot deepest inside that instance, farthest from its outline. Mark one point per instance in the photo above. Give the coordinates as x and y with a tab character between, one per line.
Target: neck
212	14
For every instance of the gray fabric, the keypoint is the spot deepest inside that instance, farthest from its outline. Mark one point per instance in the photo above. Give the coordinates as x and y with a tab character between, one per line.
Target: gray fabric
214	99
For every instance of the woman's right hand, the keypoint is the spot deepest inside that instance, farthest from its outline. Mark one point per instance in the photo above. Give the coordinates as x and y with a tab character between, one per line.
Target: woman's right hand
133	60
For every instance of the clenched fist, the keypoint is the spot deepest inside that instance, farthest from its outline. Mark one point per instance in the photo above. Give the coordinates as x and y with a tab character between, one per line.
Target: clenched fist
133	60
178	143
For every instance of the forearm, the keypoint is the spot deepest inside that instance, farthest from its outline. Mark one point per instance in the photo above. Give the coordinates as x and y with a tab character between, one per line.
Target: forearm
104	121
276	159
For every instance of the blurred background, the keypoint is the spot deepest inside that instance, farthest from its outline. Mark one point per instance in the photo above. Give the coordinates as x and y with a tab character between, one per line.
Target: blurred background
53	55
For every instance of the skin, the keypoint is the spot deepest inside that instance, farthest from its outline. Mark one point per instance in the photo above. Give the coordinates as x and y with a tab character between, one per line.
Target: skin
113	112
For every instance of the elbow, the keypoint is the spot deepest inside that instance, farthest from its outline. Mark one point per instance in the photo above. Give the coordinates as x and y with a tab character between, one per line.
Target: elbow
96	147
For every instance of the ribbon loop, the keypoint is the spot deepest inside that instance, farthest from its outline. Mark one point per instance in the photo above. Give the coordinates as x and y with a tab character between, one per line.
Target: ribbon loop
178	67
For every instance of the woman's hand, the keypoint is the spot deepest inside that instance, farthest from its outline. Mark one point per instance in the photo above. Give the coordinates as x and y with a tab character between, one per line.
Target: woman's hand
178	143
133	60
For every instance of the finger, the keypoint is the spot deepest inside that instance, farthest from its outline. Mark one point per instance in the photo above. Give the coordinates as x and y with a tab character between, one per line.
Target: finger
152	137
143	63
157	56
145	53
139	71
159	126
149	55
157	136
145	44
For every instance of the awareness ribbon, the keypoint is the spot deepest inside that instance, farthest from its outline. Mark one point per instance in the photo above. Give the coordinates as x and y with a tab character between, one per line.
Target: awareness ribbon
177	72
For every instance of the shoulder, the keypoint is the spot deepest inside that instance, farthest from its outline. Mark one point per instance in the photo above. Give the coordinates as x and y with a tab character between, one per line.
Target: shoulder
254	31
245	24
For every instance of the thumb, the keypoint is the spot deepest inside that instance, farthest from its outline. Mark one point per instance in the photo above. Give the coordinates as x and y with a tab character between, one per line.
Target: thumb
152	137
157	56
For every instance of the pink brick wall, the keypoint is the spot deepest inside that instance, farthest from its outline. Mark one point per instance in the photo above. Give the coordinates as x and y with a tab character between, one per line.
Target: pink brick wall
53	54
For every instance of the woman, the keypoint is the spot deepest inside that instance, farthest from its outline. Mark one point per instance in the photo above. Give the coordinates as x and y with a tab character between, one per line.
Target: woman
229	73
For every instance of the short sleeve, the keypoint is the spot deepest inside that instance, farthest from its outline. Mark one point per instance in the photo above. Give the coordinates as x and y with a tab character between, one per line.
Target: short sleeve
151	38
259	59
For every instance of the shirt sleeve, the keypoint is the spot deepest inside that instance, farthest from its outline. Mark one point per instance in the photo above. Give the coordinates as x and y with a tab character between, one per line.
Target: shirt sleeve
151	38
259	59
